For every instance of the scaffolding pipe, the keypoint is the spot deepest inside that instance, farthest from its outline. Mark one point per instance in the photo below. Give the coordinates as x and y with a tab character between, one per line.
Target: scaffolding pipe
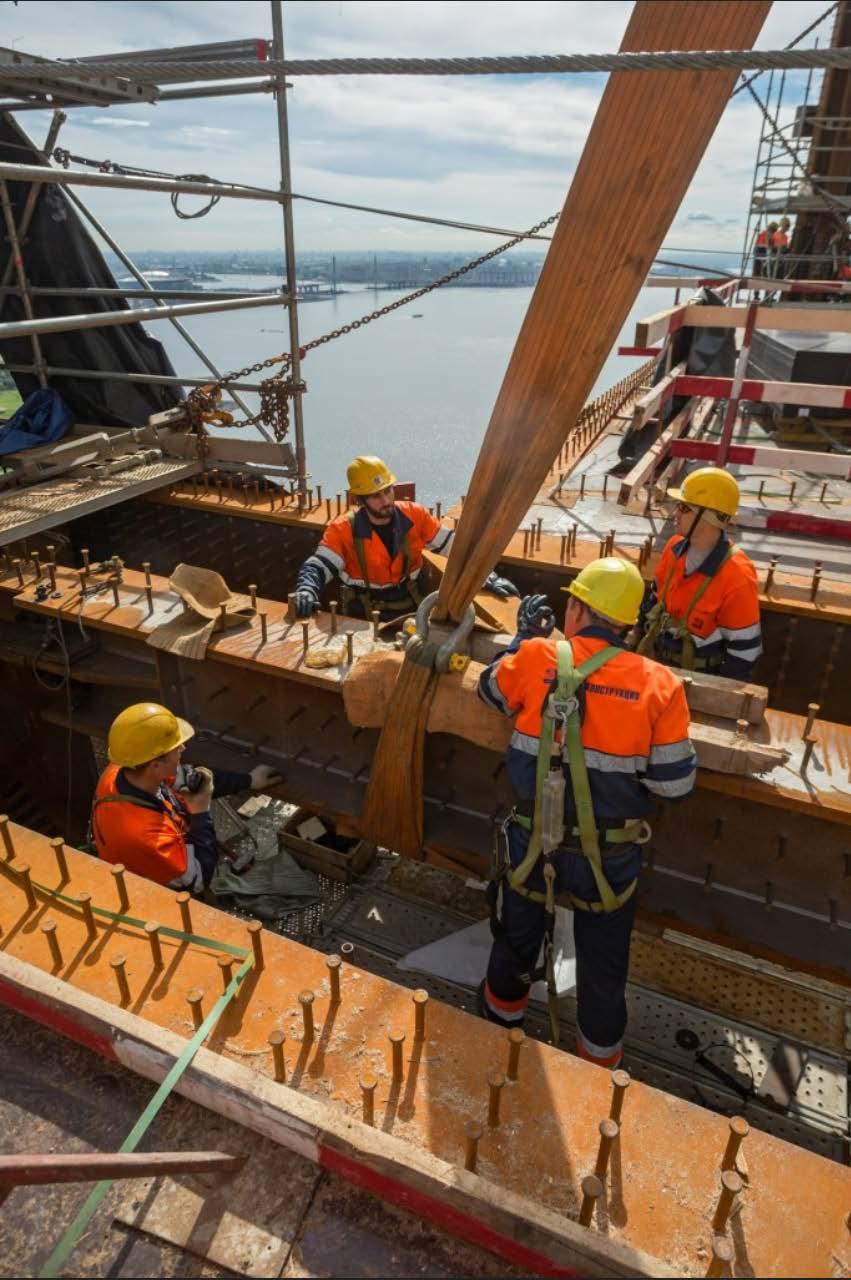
117	375
23	282
168	95
173	295
289	244
183	186
98	227
132	315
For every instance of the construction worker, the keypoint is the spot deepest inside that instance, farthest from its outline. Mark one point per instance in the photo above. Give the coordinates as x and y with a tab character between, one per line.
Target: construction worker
377	550
702	610
779	246
761	247
599	733
152	813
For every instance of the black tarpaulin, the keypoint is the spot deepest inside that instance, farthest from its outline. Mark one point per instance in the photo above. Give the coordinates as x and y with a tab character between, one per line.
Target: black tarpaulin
60	253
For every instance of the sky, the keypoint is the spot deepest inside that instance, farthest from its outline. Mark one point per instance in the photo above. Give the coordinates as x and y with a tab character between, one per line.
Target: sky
496	150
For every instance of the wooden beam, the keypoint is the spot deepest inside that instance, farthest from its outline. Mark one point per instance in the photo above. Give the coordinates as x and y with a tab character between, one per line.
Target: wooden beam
785	319
651	402
646	465
28	1170
456	708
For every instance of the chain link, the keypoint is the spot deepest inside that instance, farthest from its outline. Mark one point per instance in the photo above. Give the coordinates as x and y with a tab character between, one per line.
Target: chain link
276	392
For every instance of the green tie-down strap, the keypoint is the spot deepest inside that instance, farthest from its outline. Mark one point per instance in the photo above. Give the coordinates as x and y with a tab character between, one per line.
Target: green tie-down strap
60	1254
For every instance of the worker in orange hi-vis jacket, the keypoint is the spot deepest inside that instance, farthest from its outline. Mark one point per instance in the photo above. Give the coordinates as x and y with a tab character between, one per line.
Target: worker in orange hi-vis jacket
702	610
600	734
376	550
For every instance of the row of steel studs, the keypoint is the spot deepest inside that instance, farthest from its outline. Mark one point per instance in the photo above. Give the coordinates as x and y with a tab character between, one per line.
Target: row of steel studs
593	1185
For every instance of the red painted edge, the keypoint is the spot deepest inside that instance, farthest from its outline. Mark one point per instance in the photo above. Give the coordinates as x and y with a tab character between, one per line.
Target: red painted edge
639	351
261	50
437	1211
816	526
707	451
846	400
33	1008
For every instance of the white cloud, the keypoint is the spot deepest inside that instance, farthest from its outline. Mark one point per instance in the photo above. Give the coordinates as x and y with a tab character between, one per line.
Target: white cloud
493	150
116	122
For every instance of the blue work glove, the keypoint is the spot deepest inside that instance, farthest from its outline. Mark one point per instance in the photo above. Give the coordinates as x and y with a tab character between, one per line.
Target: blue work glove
306	603
500	587
535	617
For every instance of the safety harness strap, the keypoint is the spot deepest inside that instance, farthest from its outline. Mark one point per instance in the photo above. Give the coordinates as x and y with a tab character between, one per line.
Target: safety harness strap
569	679
406	580
659	619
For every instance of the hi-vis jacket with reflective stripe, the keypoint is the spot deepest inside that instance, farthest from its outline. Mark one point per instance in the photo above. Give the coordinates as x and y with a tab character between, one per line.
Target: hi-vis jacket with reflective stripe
337	553
725	622
635	723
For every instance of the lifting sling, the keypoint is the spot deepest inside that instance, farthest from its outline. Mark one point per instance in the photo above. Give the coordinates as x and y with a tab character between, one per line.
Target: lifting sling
547	827
659	620
395	606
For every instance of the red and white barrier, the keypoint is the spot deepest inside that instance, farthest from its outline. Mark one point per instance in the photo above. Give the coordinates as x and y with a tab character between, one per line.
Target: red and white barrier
822	464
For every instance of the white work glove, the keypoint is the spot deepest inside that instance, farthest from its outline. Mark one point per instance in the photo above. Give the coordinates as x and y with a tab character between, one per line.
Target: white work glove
263	775
199	801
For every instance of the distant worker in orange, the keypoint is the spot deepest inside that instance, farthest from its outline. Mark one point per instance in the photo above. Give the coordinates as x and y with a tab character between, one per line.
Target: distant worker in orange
152	813
780	247
376	550
761	248
702	611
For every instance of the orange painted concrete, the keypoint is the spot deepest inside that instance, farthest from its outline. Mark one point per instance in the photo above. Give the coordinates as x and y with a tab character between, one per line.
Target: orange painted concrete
663	1184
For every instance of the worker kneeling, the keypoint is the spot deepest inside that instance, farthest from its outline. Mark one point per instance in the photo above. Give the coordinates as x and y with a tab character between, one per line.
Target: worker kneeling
600	732
702	611
152	813
376	550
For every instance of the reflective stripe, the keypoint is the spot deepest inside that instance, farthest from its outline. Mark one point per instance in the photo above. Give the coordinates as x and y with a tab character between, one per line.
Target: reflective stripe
607	763
674	787
495	693
702	642
317	562
597	1052
671	752
743	633
324	552
602	761
442	541
386	587
506	1010
745	655
525	742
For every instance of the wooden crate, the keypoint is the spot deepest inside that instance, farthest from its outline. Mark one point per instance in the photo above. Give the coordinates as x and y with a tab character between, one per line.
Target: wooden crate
336	864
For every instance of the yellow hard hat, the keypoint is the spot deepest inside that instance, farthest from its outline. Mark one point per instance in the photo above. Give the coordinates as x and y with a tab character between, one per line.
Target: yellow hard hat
145	731
368	475
711	488
610	586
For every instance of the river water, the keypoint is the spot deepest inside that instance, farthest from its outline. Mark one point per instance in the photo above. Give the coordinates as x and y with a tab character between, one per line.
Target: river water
416	391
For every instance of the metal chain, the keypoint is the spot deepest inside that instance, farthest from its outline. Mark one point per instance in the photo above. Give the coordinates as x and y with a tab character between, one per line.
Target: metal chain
275	392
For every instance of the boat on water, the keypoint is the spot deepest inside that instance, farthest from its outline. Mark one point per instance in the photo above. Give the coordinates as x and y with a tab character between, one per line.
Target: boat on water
344	1027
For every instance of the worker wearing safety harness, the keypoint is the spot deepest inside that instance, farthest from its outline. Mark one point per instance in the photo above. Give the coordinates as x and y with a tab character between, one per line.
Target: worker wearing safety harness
599	733
702	611
376	549
150	812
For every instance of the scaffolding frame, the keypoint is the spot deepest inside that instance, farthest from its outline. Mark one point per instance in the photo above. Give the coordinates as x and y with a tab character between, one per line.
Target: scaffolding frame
94	88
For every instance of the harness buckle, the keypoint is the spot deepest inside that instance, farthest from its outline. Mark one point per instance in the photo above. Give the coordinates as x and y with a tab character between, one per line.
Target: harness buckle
562	709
